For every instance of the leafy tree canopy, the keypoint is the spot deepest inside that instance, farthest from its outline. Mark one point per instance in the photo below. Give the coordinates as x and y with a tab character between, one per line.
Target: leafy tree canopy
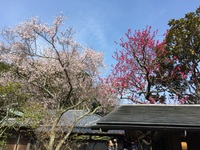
183	46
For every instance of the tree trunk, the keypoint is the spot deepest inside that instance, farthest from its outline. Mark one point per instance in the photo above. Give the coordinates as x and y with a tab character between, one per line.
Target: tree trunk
51	142
62	141
60	144
53	135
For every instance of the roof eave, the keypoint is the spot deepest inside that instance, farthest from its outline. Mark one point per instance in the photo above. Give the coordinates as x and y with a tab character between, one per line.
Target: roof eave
106	127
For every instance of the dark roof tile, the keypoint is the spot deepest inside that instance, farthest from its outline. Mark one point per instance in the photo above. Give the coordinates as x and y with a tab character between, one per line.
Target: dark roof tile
152	117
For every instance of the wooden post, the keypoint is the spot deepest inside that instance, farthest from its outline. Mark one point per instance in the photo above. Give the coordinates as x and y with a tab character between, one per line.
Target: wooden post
18	139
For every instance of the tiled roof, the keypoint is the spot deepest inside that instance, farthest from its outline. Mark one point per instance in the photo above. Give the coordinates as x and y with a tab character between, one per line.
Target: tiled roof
152	117
83	126
69	117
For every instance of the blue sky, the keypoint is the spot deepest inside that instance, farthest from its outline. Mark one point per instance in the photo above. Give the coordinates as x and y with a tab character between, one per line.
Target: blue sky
99	22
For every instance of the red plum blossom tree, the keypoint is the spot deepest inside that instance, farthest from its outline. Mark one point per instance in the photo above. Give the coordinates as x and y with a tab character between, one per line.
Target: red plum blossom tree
142	73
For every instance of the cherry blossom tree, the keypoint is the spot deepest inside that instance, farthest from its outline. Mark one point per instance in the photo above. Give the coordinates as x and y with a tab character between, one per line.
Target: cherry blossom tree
58	73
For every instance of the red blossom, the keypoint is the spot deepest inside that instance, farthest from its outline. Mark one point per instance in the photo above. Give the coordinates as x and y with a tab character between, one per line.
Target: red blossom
137	64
